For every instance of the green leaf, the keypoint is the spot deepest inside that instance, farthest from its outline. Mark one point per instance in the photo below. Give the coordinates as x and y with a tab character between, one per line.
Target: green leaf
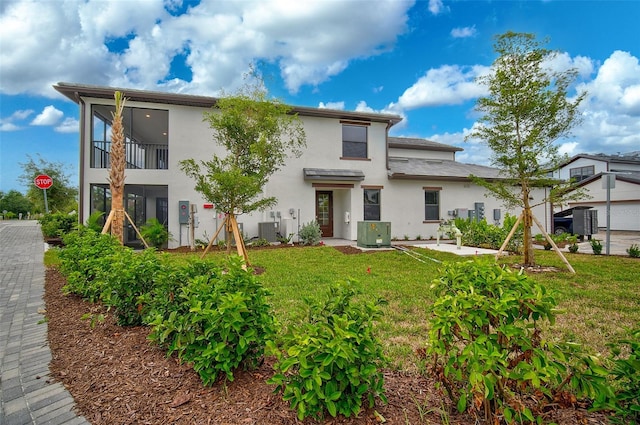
462	402
331	407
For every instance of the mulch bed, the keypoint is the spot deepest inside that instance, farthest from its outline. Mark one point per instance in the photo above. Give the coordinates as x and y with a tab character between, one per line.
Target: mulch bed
117	377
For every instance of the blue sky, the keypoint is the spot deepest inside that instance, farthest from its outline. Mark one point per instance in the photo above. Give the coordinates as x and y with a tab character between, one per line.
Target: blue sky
417	59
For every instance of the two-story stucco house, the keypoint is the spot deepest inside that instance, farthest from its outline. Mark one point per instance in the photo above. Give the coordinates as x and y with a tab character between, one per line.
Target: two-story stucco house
350	171
624	198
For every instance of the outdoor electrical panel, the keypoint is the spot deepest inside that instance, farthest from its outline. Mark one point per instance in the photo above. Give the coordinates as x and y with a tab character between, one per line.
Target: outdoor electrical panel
183	212
479	208
472	214
496	214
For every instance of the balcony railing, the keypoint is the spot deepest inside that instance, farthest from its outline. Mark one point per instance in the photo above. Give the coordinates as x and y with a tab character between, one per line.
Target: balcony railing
138	156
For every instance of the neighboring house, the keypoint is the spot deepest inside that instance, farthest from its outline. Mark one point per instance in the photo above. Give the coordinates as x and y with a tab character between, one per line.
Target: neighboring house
589	170
350	171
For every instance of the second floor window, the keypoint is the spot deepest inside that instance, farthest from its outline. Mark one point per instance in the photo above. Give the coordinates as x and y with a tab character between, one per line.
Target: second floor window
581	173
354	141
372	204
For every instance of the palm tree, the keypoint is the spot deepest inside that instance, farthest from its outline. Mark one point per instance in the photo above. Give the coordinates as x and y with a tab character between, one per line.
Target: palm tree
116	172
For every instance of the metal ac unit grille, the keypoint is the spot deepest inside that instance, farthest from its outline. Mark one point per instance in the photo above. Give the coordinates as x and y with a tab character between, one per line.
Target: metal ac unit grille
268	230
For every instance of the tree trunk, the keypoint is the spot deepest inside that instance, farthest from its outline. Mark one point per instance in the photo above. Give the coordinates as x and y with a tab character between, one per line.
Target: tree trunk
528	254
229	233
116	172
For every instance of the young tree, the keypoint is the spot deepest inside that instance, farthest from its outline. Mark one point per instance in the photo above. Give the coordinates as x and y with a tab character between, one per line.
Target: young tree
525	112
61	197
258	134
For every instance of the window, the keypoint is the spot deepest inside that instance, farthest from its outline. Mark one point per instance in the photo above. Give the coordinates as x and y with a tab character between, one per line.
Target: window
581	173
372	204
431	204
354	141
100	201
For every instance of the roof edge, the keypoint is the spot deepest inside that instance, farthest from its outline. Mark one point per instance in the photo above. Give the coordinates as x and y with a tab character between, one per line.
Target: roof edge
72	91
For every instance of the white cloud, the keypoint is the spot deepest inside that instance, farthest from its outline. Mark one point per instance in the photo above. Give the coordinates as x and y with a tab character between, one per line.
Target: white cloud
563	61
363	107
49	116
447	85
611	111
70	40
630	99
475	151
8	124
69	125
568	148
331	105
436	7
463	32
21	114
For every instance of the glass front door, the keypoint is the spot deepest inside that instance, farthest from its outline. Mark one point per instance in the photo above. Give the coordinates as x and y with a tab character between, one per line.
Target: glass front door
324	213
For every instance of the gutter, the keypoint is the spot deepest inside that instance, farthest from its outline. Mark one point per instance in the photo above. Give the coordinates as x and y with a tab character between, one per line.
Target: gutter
386	144
81	185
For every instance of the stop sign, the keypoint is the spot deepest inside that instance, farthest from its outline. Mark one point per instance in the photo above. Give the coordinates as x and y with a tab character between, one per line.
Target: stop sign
43	181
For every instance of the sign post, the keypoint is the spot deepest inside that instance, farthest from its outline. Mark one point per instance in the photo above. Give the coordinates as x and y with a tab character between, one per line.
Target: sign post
44	182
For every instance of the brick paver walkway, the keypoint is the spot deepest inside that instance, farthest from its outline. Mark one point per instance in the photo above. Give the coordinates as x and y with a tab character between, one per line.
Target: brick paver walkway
27	393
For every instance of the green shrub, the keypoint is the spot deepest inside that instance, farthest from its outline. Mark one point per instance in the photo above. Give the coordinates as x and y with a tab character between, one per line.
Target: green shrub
596	246
310	233
484	235
331	361
163	298
95	221
129	276
155	233
84	255
285	239
57	224
634	251
487	348
260	242
625	403
221	321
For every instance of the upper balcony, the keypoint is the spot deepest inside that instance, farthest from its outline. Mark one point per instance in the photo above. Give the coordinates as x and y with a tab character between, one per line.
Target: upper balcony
146	137
137	156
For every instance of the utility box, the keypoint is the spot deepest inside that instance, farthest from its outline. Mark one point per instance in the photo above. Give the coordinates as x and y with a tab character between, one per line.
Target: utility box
479	209
269	231
585	222
461	212
183	212
374	234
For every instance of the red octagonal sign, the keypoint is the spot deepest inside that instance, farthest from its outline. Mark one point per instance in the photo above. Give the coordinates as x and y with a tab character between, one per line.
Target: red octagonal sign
43	181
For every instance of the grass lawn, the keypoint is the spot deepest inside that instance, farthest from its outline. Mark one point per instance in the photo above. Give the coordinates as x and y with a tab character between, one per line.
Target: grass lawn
600	301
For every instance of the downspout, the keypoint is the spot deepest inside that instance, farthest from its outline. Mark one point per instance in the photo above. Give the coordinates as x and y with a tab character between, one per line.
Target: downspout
386	143
81	160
